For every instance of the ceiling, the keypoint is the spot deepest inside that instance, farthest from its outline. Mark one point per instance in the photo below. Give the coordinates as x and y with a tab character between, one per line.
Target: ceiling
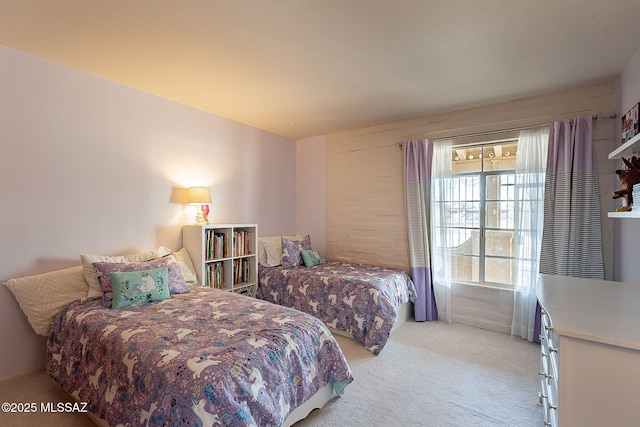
302	68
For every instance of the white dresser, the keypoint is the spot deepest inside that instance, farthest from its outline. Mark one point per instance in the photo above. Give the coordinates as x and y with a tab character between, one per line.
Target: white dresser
590	352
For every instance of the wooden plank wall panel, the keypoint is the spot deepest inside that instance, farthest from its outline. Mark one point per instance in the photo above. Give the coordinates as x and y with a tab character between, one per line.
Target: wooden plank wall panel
365	202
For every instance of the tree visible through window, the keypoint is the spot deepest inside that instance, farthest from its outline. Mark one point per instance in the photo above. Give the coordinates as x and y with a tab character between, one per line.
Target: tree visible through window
480	229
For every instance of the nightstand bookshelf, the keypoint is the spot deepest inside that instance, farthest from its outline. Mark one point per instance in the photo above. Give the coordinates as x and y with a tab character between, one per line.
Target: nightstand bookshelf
224	255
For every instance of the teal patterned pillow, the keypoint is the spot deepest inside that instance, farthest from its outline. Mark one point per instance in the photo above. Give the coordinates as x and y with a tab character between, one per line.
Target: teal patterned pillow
311	257
139	287
176	281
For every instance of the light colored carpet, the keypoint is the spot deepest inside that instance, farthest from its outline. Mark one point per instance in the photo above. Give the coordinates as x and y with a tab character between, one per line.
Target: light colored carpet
441	375
429	374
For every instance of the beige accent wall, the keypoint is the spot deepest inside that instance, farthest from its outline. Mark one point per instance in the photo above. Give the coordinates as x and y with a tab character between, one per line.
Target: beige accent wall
365	202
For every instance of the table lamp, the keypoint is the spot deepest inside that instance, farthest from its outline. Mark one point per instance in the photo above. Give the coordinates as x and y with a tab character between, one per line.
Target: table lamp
200	196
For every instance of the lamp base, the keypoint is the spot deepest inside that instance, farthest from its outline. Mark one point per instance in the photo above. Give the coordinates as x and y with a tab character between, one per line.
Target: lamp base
202	215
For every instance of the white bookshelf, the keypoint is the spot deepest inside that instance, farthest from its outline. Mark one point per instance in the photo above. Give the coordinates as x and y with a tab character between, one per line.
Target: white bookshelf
231	262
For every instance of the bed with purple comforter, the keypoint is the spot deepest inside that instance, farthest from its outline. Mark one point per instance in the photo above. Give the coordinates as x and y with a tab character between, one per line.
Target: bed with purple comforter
202	358
360	299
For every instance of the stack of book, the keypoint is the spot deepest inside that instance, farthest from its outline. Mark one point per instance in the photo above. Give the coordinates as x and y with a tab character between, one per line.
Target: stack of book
216	245
241	270
215	275
635	195
241	243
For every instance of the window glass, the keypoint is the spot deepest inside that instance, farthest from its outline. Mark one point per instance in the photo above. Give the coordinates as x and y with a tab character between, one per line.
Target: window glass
464	268
481	214
499	270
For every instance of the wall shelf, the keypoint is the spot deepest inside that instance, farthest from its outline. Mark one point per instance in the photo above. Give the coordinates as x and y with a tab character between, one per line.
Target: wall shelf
630	147
628	214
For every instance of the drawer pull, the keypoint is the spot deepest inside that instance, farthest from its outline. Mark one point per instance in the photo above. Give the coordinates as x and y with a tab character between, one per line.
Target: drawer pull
553	407
553	350
544	374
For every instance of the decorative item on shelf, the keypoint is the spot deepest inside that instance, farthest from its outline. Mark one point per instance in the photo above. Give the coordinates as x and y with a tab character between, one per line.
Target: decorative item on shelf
200	196
630	123
628	178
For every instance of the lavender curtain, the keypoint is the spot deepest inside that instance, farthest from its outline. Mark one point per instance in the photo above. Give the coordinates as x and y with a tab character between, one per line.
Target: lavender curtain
571	238
417	182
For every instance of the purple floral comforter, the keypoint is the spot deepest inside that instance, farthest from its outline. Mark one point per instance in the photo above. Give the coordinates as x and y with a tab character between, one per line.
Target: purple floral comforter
356	298
203	358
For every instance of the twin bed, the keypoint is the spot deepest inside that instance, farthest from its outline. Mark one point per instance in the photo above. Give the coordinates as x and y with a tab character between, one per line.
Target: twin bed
201	358
361	301
192	355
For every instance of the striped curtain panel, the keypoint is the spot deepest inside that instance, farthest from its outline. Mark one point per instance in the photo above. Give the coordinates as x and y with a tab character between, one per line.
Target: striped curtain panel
417	183
571	237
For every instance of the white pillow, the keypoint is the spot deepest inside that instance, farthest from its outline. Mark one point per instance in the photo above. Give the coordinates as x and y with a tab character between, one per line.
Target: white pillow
91	276
186	266
270	249
262	255
42	296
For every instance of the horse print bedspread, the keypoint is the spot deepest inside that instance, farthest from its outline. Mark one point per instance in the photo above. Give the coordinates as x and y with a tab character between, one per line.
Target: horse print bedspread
203	358
356	298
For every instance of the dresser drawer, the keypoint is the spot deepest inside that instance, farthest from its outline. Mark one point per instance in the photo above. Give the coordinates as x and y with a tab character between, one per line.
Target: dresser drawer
552	395
552	349
545	321
549	343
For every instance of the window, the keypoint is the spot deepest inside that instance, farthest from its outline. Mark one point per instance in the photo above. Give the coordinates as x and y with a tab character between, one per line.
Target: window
480	209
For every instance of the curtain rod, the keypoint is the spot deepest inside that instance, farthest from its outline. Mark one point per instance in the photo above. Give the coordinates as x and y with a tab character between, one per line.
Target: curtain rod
496	132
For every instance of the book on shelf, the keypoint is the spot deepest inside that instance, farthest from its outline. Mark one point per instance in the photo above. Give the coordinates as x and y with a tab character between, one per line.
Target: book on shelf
215	275
241	243
242	271
216	245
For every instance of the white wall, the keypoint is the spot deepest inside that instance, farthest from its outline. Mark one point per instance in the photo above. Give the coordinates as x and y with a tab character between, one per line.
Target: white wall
627	231
311	191
91	166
